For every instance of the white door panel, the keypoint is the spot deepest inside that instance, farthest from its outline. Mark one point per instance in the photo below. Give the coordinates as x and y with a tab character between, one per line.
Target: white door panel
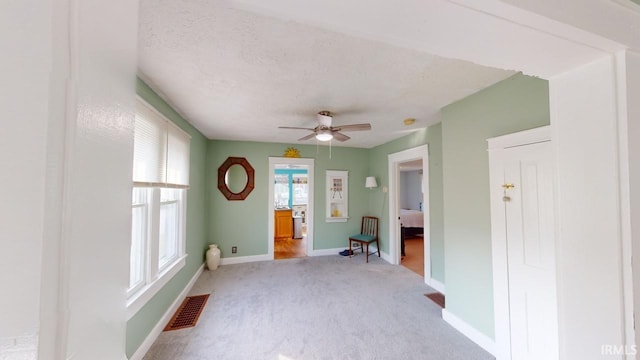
531	252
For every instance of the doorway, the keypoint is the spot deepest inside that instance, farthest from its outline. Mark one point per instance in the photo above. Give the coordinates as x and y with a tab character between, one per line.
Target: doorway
410	159
410	204
523	245
290	207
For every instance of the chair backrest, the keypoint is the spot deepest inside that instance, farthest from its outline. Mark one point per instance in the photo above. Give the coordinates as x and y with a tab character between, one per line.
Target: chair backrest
369	226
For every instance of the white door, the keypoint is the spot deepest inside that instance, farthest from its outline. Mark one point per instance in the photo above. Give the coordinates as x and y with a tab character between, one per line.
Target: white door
531	251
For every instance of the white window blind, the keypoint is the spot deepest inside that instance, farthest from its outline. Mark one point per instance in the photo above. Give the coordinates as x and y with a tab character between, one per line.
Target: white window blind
177	156
149	151
161	150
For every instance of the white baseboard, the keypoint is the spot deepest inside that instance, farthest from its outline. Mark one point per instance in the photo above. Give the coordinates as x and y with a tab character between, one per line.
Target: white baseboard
437	285
469	331
386	257
244	259
265	257
155	332
325	252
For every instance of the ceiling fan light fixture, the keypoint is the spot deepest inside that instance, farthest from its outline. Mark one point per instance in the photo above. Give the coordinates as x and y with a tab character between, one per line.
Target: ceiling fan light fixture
324	135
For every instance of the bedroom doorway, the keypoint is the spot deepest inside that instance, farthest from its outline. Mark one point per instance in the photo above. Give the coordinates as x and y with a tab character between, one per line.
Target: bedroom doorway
290	207
410	200
409	160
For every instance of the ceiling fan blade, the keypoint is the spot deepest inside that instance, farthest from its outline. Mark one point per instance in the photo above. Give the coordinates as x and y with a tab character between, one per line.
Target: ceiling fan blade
339	136
295	128
308	136
353	127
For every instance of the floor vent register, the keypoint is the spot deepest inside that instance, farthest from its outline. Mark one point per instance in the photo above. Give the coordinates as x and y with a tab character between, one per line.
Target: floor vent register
188	313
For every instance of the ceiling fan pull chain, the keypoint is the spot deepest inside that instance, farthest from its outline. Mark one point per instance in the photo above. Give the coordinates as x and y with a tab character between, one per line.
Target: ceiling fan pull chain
329	149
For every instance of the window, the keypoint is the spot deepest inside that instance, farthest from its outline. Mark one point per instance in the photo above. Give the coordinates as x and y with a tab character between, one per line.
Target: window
169	227
281	190
139	213
300	189
291	187
158	204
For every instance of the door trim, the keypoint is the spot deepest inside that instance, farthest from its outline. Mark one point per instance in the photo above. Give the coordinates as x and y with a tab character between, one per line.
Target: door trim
270	204
496	147
394	161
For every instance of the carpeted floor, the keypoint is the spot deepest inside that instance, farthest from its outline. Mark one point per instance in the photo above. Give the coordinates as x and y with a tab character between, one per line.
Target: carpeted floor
327	307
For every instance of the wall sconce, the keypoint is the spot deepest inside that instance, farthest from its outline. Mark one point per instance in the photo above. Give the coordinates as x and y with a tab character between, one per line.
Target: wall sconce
370	182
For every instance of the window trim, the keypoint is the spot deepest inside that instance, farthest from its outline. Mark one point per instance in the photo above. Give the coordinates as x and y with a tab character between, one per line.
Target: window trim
133	290
146	293
182	230
156	278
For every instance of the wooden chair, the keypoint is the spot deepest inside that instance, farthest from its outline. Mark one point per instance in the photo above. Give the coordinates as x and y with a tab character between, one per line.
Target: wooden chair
368	234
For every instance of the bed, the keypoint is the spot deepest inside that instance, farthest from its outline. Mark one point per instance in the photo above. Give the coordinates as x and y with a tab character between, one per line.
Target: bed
411	223
411	218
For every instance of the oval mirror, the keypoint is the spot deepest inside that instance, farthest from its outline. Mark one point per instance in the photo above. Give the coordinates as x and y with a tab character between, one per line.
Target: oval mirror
235	178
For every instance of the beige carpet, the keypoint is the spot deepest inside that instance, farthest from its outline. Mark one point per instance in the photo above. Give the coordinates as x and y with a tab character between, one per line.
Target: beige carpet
326	307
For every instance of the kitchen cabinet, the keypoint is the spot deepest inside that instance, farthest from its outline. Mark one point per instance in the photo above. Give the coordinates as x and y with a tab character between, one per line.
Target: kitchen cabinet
283	224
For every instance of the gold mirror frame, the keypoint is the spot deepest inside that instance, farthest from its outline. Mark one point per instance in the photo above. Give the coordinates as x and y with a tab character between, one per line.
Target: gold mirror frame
222	172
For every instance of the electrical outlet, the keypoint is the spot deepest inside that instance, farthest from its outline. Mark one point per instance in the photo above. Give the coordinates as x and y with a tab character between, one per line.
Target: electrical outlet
234	249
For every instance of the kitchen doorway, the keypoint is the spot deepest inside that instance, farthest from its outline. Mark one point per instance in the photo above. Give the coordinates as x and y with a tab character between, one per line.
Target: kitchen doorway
290	207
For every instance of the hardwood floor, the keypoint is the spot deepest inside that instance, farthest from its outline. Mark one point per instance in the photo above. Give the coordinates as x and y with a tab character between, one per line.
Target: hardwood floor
290	248
414	259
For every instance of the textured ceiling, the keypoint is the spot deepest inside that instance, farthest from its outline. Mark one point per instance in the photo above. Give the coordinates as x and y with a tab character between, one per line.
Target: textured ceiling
237	75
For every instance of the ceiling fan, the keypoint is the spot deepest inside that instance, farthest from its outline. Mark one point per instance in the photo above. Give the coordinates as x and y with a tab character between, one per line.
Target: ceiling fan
325	132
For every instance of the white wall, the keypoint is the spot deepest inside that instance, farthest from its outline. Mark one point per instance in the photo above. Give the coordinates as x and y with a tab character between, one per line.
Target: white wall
589	15
487	32
96	222
589	247
25	65
67	92
630	62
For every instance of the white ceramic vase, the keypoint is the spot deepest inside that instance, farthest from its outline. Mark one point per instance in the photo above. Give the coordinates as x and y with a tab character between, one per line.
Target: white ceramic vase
213	257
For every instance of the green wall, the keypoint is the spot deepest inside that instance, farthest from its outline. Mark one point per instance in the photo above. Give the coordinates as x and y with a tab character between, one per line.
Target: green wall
378	201
139	326
458	196
245	223
517	103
